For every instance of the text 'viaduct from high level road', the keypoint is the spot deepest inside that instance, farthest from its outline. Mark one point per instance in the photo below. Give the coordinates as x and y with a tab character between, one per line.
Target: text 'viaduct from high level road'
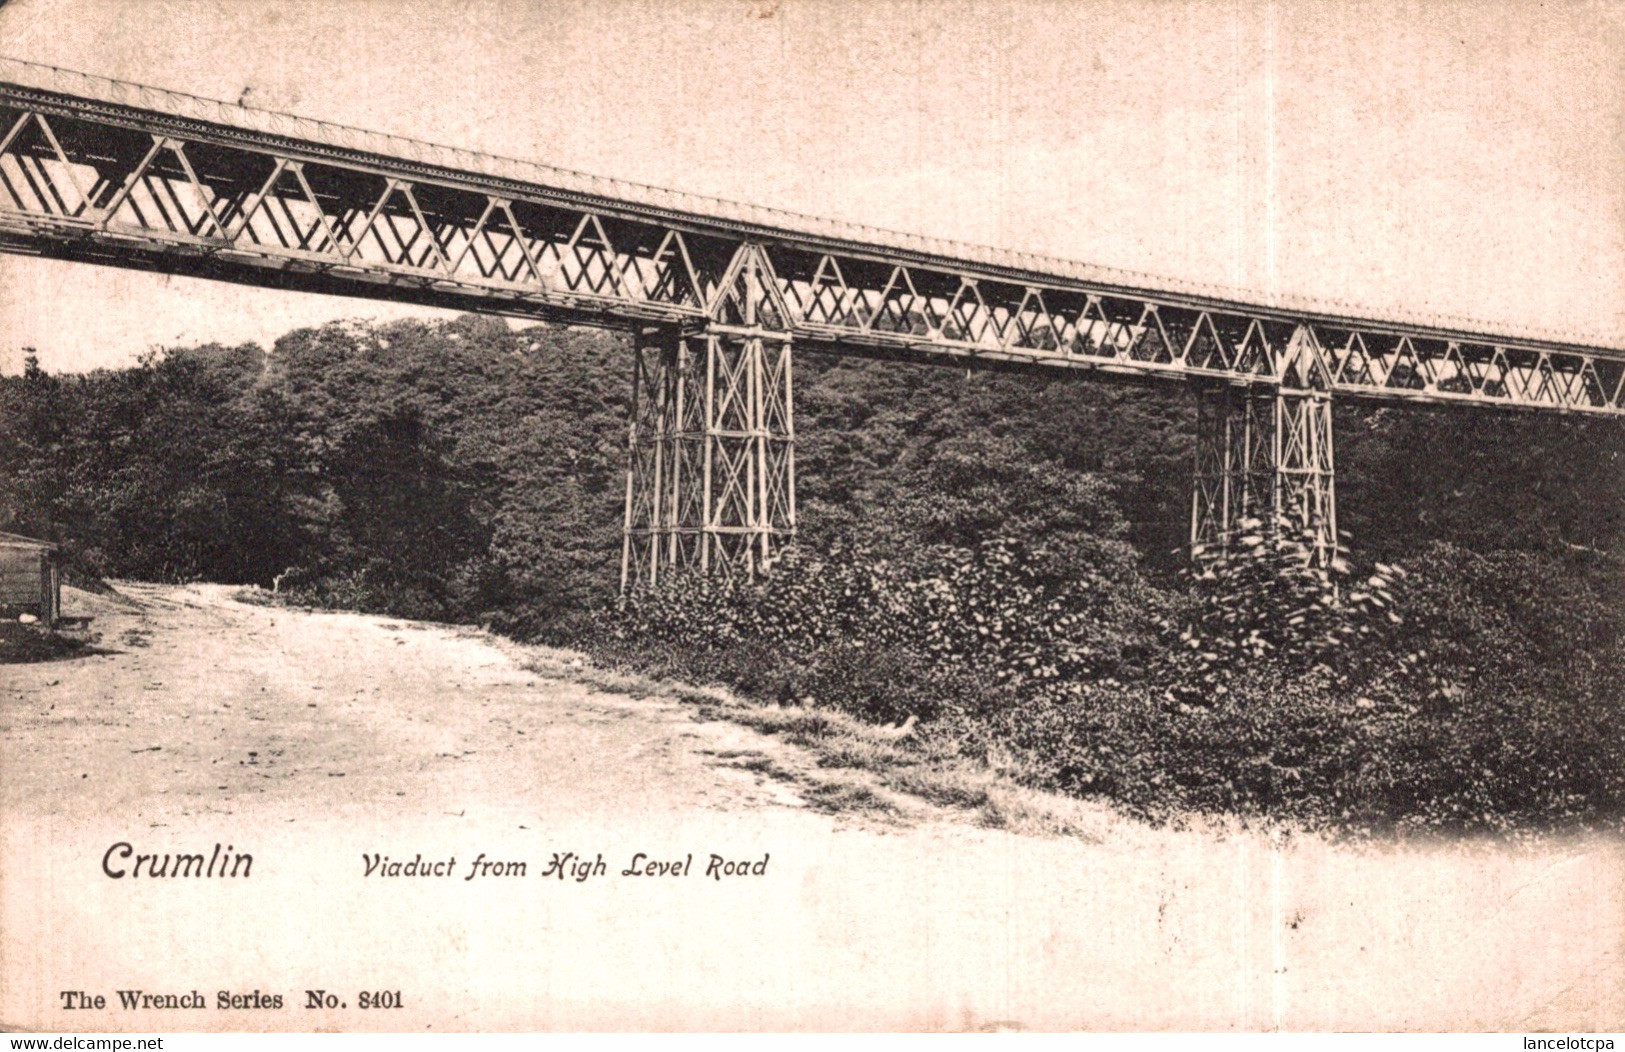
715	295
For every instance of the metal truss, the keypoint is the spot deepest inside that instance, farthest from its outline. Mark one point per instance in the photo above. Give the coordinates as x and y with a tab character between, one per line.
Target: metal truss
711	483
717	293
102	171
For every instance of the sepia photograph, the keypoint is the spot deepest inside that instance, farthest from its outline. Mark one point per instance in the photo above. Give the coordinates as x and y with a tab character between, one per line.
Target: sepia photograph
782	516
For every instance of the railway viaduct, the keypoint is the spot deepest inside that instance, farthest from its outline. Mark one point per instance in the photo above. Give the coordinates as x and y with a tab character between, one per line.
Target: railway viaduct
716	296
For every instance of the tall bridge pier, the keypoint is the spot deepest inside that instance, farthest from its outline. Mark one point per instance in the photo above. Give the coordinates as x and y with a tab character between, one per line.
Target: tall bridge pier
716	294
711	475
1264	452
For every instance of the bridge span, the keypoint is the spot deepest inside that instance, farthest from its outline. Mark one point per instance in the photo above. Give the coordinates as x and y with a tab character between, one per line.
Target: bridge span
716	295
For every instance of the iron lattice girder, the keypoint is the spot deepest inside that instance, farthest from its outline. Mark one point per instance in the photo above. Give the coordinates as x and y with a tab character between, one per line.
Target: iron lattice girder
184	186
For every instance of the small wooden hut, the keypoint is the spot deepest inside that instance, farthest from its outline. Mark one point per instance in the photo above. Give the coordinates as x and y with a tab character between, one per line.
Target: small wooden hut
30	578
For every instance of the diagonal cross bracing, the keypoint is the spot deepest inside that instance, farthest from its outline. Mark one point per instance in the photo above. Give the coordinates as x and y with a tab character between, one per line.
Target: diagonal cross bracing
115	173
711	454
717	294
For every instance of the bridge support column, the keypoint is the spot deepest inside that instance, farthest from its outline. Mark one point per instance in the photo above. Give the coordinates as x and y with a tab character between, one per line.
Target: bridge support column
1265	452
1305	469
1235	449
711	469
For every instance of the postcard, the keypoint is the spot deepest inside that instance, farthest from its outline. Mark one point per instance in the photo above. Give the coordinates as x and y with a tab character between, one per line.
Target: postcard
811	515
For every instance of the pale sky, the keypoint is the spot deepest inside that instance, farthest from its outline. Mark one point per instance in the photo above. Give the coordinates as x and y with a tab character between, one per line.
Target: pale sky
1466	158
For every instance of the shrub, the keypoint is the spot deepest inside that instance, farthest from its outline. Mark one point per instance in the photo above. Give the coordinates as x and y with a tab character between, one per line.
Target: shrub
1267	597
1462	694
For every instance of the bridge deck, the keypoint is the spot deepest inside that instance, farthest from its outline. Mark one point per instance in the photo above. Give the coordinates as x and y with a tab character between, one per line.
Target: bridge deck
102	171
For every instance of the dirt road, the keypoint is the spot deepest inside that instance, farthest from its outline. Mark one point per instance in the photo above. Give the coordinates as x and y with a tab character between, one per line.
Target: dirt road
317	743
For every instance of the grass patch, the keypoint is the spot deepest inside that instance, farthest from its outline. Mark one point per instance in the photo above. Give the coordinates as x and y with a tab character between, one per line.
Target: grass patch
832	793
850	751
844	797
946	787
22	644
761	763
855	765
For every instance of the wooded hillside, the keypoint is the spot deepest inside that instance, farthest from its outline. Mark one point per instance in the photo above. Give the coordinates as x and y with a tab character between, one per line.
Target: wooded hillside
1005	549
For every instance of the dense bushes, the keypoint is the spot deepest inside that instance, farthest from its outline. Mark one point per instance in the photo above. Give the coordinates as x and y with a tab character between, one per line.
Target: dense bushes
1465	694
890	638
448	470
1296	747
176	468
996	556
